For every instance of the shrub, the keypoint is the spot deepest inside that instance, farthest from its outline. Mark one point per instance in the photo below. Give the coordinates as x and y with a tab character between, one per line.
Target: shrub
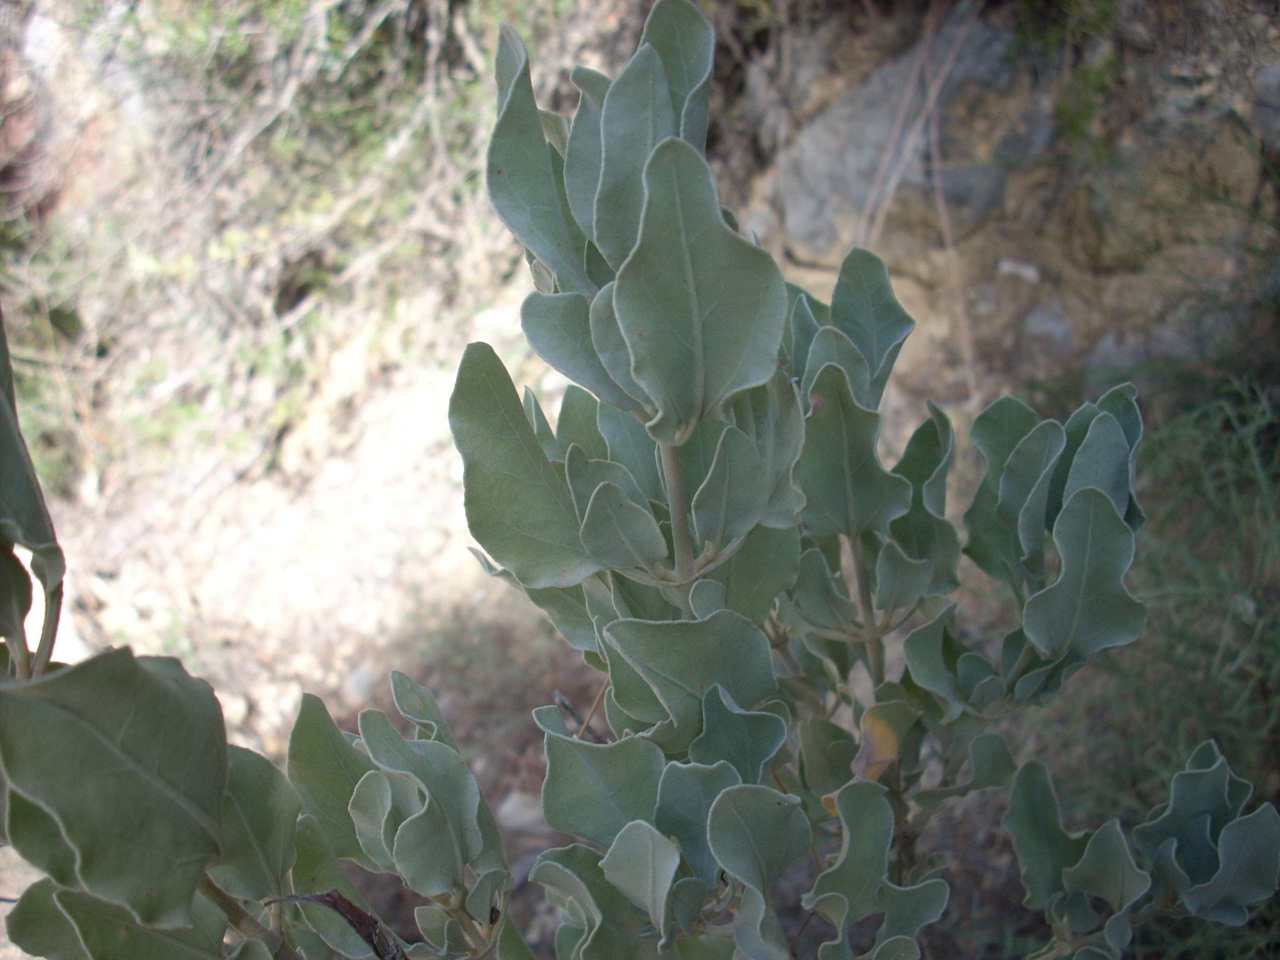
710	524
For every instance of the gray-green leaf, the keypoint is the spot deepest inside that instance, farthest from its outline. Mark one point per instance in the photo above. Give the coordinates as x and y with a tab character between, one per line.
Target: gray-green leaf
518	507
702	309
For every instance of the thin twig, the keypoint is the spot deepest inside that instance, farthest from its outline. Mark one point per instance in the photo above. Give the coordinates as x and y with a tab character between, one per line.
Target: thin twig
585	726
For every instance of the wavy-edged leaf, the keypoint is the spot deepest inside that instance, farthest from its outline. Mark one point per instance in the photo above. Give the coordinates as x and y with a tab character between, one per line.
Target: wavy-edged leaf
1249	870
37	926
680	660
747	739
846	489
686	42
923	532
558	327
856	885
996	432
609	926
107	931
1107	870
990	766
315	872
864	308
593	790
1102	461
1044	849
630	445
766	564
583	154
619	533
1024	491
576	423
636	117
418	705
614	354
642	863
522	181
695	339
1088	608
452	789
259	819
518	507
755	833
685	794
772	416
735	494
325	768
118	739
900	580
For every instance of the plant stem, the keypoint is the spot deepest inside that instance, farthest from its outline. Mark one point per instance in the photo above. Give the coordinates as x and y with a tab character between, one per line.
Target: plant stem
866	609
244	923
19	653
678	501
48	630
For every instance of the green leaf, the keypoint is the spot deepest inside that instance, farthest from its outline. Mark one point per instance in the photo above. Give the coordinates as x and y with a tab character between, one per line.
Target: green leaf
1044	849
765	565
122	740
642	863
702	309
1088	609
577	423
735	495
558	327
996	432
541	427
885	727
1249	871
317	871
614	355
1024	491
376	816
15	602
685	795
755	833
38	839
425	851
24	518
630	445
637	116
900	580
107	931
826	751
325	768
453	792
846	489
818	593
37	926
250	950
686	42
856	885
1203	798
522	181
259	819
611	927
1102	462
680	660
1121	402
747	739
832	346
417	705
1106	870
805	317
582	158
923	532
864	308
593	790
620	533
931	654
517	507
771	416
